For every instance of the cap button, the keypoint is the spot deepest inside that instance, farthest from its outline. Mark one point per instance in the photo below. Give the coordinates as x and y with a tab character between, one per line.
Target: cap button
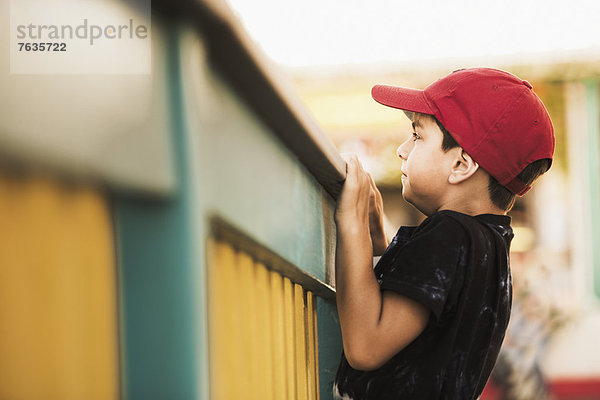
528	84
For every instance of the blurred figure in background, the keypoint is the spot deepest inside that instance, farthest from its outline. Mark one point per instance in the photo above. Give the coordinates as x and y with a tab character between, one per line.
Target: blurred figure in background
534	319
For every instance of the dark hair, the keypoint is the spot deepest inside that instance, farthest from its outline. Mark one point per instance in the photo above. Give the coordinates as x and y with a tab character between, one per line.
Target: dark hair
500	196
504	198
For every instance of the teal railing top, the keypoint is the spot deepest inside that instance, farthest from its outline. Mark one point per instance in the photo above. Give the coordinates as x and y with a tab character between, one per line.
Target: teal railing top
261	85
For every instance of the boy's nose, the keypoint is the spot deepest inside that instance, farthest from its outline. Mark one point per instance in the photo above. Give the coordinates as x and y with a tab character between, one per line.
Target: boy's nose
402	150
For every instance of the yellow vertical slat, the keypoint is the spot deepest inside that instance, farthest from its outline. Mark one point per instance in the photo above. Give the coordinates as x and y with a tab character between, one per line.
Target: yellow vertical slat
265	347
278	336
316	349
290	338
223	323
310	335
216	319
248	335
300	322
57	292
96	292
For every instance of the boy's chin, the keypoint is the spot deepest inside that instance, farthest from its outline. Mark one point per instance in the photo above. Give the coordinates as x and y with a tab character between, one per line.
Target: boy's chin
408	199
407	196
420	207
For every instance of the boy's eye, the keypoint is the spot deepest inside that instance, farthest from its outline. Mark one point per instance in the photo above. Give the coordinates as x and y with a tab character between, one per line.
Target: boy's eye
415	136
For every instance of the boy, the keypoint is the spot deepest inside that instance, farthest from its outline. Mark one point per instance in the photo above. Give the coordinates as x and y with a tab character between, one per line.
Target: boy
428	321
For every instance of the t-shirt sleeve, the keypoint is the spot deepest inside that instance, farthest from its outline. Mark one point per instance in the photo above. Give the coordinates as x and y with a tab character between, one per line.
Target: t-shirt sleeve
425	268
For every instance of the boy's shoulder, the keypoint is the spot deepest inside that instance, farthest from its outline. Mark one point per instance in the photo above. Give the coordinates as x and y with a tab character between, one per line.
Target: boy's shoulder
438	230
451	229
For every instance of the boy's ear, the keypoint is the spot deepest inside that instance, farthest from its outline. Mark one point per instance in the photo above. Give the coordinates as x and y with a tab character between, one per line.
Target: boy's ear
463	168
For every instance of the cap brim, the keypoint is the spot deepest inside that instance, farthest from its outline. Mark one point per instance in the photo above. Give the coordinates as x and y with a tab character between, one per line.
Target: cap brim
412	100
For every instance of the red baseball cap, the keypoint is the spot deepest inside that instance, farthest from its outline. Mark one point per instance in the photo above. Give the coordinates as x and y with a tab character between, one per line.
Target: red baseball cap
493	115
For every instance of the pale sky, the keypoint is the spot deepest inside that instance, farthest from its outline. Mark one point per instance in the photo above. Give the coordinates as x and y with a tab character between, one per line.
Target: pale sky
326	32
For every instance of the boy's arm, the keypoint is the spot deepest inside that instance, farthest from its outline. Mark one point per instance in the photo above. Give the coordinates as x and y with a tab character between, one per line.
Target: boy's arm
375	326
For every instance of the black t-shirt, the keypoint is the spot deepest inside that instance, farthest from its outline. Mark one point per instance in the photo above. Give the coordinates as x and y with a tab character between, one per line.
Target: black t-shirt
458	267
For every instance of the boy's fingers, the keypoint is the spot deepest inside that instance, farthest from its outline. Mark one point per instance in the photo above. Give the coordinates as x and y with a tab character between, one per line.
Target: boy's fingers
346	156
371	181
352	166
374	190
350	158
355	174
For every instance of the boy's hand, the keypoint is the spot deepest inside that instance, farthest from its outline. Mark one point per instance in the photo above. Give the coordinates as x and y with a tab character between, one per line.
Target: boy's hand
378	238
353	203
360	203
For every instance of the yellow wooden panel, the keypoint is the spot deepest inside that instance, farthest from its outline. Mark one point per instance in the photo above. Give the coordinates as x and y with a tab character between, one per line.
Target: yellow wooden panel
278	336
311	353
300	325
262	331
222	322
57	292
316	349
248	331
266	343
290	338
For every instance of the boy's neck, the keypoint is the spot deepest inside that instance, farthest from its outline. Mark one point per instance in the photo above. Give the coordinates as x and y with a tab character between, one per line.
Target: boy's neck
475	210
471	197
471	205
